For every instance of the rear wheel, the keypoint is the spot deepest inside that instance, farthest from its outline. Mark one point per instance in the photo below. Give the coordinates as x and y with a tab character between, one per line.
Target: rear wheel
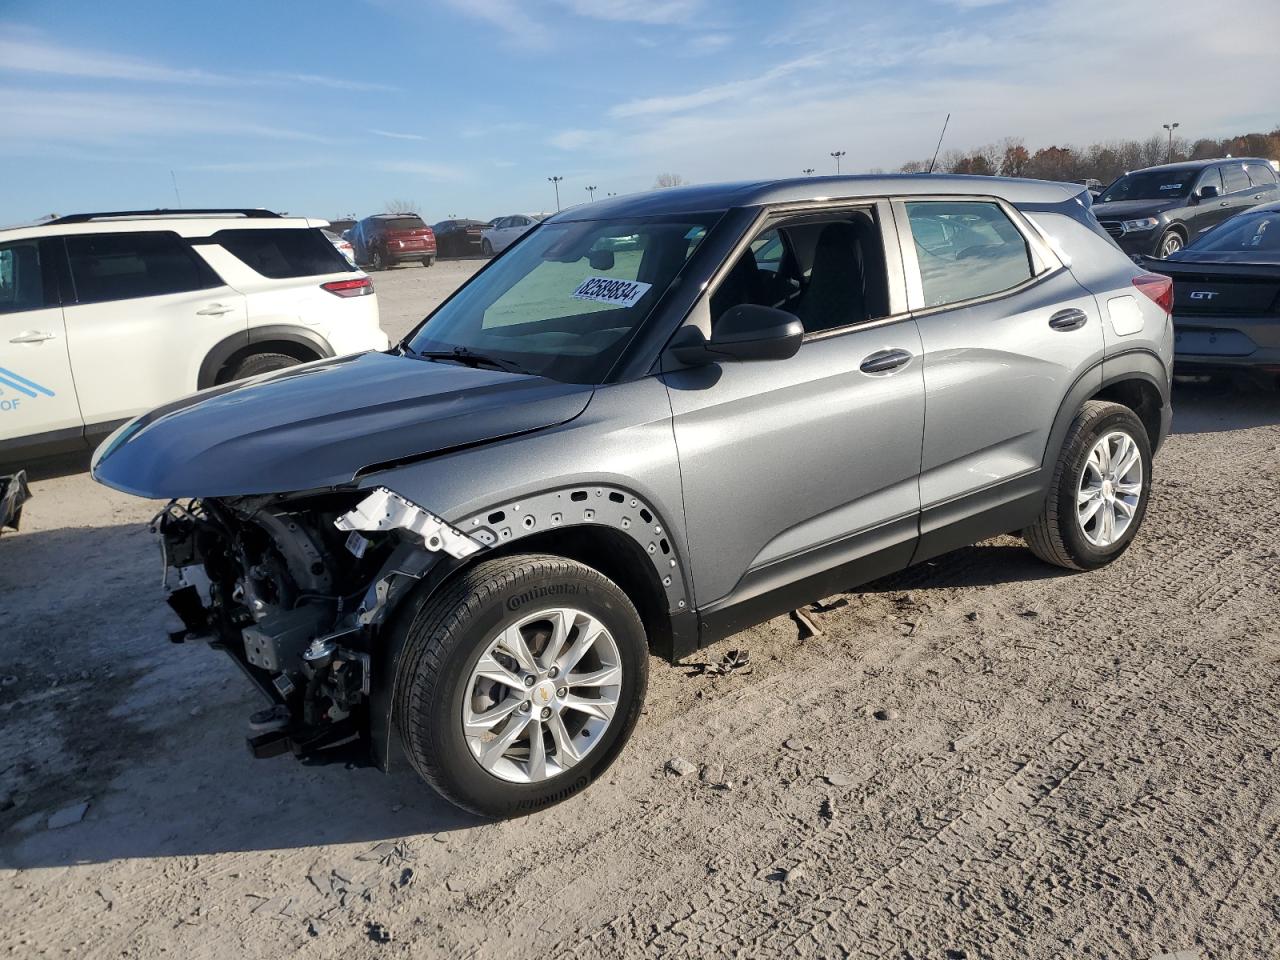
521	682
1170	244
1099	491
486	248
429	262
259	363
377	261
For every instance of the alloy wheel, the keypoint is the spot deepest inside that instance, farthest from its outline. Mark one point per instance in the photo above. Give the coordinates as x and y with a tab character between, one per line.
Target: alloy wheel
1109	489
542	695
1171	245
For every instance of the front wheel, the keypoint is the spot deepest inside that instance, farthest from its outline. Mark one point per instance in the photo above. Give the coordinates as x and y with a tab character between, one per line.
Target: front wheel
1099	491
521	682
486	248
1170	244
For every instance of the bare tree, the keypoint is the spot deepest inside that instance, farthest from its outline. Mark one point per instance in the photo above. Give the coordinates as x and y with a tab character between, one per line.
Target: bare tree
403	206
669	180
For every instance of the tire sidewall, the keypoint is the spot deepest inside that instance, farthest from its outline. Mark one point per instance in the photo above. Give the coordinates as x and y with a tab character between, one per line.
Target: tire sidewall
1168	235
465	779
1086	554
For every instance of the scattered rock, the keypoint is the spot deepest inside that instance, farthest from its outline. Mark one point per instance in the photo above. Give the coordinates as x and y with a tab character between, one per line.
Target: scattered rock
960	743
1028	614
827	809
315	928
971	616
406	877
680	767
837	779
792	875
886	713
108	895
794	743
68	815
712	773
377	932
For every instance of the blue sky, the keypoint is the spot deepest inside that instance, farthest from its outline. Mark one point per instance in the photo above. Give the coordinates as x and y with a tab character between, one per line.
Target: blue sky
467	106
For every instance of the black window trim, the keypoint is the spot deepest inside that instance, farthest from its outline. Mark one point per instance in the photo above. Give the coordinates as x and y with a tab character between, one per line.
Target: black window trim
1045	262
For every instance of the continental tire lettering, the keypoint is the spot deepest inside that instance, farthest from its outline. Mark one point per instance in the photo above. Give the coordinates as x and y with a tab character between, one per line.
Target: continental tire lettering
537	593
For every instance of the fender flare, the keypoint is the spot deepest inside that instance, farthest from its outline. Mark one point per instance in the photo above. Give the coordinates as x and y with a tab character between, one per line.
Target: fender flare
563	508
226	348
1138	363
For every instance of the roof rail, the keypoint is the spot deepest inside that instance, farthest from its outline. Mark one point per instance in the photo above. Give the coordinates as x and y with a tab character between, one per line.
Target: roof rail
248	212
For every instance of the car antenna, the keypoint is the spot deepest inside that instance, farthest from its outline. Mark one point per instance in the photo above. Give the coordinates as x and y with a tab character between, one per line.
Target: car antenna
939	146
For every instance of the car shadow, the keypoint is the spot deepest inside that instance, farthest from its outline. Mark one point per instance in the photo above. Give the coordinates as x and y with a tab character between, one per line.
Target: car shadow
1221	404
97	705
987	564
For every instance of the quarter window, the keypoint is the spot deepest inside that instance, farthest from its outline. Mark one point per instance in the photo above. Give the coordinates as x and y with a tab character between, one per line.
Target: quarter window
281	254
125	266
21	279
966	250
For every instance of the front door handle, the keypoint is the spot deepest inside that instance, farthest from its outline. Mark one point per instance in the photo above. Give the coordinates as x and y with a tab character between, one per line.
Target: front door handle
884	361
1071	319
32	336
214	310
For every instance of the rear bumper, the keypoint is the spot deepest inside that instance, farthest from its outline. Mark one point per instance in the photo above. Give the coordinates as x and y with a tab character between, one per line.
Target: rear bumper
410	256
1223	343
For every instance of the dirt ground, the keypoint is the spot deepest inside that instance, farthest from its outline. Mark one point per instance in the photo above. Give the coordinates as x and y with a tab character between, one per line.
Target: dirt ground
982	757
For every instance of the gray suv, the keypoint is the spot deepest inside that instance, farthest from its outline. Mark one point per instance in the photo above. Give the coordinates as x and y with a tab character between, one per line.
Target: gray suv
650	423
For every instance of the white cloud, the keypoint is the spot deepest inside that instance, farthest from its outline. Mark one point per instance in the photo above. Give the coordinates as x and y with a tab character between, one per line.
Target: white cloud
397	136
509	16
719	93
709	43
644	11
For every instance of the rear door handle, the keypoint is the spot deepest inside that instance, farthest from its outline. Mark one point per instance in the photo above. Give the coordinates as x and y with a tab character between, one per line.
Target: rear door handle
32	336
1071	319
885	361
214	310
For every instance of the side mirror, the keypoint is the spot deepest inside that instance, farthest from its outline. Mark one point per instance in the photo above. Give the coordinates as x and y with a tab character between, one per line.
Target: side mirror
744	332
1207	192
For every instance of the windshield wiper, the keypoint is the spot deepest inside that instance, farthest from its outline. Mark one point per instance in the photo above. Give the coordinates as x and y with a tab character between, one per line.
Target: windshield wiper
465	355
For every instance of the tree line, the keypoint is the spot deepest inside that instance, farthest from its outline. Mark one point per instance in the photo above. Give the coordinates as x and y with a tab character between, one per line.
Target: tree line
1103	161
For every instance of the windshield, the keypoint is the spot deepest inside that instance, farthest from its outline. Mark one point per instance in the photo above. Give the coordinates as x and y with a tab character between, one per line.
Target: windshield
564	301
1150	185
1248	237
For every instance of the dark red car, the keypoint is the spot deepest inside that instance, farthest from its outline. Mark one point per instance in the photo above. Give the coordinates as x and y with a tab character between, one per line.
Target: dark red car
386	239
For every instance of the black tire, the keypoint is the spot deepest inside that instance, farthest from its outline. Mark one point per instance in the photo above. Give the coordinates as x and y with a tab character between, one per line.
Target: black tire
377	261
258	363
1057	536
429	262
486	248
447	633
1170	243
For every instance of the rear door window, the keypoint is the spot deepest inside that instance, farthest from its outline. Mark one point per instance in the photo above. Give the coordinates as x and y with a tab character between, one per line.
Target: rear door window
284	254
966	250
1210	178
1235	179
125	266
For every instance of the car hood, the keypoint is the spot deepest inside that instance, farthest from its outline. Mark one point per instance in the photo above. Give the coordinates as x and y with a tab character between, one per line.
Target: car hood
320	424
1133	209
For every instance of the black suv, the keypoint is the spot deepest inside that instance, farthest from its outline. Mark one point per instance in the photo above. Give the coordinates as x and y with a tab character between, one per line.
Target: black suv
1159	210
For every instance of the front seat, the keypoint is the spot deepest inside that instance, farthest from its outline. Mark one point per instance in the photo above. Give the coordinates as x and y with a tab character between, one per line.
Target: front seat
835	296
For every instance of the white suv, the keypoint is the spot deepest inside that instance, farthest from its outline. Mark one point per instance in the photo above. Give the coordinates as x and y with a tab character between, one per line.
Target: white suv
105	316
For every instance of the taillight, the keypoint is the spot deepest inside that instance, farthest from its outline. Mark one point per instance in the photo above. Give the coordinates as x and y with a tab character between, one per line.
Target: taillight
1158	288
361	287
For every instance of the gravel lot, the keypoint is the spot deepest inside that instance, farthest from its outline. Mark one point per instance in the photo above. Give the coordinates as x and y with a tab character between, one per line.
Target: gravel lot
1068	765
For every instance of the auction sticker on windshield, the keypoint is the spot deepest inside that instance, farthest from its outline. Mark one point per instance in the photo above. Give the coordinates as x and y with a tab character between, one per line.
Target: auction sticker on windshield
620	293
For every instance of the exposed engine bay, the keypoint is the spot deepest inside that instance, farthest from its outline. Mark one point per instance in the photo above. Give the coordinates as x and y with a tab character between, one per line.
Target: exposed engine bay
295	590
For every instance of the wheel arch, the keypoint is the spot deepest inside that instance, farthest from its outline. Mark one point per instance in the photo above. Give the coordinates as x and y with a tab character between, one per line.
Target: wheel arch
298	342
1136	378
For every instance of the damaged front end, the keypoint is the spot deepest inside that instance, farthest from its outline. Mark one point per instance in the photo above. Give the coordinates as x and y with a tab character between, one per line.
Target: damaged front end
296	589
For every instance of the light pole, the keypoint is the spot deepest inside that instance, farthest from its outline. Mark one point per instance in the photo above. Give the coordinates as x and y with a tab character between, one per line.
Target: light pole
1170	127
837	154
807	171
555	181
591	191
